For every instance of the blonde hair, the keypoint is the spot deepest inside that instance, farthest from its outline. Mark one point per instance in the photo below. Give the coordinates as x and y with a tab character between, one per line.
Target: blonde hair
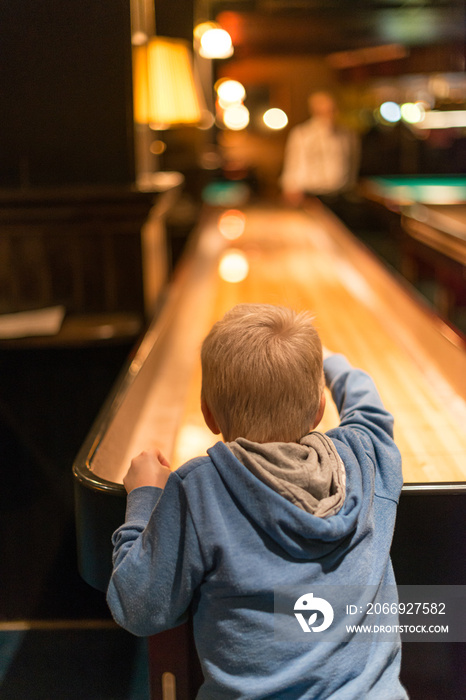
262	375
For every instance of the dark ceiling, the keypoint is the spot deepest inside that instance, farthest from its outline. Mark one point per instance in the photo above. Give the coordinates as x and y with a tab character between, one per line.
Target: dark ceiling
316	26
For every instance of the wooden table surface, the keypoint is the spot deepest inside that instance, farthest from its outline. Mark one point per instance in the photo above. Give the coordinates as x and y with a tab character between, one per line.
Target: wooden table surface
440	227
303	259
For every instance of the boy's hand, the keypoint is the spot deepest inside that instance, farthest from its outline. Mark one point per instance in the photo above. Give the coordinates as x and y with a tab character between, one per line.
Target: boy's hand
150	468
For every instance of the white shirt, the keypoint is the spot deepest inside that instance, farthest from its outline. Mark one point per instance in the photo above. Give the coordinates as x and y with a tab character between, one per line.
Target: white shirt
319	159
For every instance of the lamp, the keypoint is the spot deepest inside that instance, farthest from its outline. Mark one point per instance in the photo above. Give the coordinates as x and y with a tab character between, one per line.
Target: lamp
164	87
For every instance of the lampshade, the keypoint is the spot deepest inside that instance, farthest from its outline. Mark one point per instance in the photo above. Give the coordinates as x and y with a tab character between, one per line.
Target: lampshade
163	84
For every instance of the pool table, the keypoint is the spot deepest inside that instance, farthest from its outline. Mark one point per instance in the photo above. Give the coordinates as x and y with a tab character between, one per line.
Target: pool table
396	191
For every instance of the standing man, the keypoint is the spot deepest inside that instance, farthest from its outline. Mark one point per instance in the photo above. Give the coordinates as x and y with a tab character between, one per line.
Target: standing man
321	158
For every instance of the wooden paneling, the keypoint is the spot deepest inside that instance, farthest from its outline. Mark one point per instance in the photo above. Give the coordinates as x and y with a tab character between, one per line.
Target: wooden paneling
77	248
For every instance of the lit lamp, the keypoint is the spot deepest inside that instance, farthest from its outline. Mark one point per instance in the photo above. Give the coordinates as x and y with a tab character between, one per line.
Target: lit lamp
164	94
165	91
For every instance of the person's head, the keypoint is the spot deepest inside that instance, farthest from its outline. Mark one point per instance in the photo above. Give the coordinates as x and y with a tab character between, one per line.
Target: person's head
262	375
322	106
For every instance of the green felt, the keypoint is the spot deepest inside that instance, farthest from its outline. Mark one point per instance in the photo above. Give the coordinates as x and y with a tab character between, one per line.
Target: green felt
428	189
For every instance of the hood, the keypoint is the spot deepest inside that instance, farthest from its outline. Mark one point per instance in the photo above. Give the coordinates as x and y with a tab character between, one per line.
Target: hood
310	473
299	494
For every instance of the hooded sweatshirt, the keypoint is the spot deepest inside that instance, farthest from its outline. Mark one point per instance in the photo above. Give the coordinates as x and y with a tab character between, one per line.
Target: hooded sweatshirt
233	528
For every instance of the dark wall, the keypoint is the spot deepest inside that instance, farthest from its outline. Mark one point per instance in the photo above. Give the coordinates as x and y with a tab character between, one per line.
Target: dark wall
65	70
174	18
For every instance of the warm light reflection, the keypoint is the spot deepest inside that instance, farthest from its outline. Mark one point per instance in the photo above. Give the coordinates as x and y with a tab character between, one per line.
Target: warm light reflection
365	56
140	84
231	224
236	117
233	266
230	92
139	38
158	147
192	441
275	118
216	43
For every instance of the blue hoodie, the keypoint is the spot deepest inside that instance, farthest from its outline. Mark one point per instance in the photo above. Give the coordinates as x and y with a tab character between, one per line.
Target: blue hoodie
218	542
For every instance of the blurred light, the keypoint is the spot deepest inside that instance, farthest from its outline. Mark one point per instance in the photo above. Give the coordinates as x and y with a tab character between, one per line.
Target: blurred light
210	160
443	120
233	266
216	43
390	111
410	26
439	86
223	104
231	224
139	38
226	194
140	84
441	194
411	113
158	147
372	54
236	117
192	440
275	118
203	27
425	99
230	92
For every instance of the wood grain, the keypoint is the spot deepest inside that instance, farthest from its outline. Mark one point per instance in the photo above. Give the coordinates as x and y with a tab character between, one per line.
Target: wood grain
306	260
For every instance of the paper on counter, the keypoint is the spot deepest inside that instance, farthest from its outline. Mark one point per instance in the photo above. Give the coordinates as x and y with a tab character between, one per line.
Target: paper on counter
45	321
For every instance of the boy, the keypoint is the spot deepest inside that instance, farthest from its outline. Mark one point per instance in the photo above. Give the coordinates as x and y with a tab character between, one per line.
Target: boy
275	505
